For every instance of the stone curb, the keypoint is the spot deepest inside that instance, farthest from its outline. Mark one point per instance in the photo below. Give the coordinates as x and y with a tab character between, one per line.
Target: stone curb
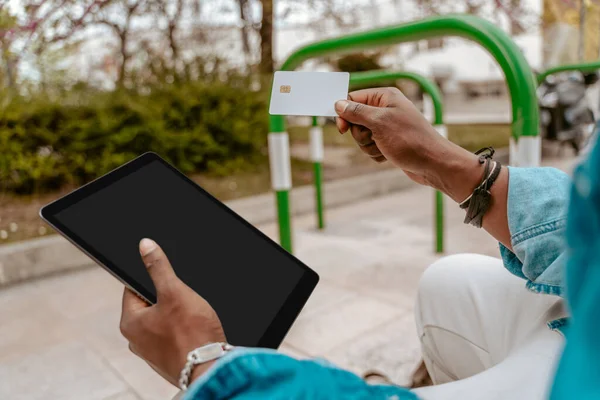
36	258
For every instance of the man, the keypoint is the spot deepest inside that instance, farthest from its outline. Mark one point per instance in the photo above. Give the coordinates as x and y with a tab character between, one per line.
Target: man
486	334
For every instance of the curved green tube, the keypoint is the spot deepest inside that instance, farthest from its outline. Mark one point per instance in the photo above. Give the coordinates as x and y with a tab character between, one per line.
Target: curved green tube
519	76
583	67
373	77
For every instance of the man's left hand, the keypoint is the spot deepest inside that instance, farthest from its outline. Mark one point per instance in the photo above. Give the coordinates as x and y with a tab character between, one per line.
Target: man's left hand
180	321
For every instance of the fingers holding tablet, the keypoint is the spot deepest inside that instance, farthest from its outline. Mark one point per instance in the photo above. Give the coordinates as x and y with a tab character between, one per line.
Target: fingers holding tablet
159	267
160	271
180	321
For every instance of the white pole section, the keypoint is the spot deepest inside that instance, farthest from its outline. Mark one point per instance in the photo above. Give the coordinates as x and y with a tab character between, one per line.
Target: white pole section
529	151
279	161
442	130
317	149
513	157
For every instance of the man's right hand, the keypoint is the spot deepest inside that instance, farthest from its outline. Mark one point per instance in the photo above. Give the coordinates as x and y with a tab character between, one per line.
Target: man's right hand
386	125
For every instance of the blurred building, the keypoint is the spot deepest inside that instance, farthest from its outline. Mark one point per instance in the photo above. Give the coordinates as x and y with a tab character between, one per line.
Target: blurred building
464	67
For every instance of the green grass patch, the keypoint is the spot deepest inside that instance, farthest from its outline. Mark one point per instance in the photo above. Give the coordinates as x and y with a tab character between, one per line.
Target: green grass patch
474	137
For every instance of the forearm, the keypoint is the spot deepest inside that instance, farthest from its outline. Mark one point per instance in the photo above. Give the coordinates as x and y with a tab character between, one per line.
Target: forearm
456	172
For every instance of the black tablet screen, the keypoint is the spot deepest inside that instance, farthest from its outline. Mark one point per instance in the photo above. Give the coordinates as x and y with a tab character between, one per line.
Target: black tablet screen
237	270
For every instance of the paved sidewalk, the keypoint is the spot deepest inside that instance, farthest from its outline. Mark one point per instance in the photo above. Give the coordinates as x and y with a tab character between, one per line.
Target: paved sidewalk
59	336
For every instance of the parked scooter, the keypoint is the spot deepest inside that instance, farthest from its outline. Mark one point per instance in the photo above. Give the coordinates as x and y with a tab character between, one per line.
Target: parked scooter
566	115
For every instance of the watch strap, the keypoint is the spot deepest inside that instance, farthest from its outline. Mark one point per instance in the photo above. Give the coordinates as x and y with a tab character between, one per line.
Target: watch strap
201	355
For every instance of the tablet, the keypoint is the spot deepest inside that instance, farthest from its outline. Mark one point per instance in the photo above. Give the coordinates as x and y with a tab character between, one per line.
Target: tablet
255	286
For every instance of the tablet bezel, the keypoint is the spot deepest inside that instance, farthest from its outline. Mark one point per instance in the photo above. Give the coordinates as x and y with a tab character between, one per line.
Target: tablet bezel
284	318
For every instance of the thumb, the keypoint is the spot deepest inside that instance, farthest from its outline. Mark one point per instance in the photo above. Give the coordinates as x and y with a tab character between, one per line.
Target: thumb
356	113
158	266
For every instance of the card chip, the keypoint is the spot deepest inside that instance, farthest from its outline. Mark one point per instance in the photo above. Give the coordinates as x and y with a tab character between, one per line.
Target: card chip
285	89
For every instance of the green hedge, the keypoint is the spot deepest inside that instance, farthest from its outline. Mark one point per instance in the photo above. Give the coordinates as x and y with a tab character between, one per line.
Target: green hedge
198	127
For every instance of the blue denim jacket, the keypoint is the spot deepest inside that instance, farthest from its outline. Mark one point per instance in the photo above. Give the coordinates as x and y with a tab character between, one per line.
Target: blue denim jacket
538	200
537	208
537	217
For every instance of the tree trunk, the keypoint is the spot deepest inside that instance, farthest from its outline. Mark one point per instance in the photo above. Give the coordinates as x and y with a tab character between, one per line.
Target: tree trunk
8	66
10	81
516	28
266	38
582	22
172	32
173	43
124	59
244	31
174	52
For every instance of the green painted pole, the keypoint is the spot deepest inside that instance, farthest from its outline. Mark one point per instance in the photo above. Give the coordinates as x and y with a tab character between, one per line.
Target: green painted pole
318	173
316	154
519	77
439	222
284	219
591	66
281	177
360	79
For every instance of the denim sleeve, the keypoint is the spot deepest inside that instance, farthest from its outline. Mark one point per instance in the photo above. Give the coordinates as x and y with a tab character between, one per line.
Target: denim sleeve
537	211
266	374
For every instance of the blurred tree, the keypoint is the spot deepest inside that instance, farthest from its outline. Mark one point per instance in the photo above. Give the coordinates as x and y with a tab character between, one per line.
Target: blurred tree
246	17
173	14
336	10
7	24
40	25
266	38
264	28
519	15
514	8
154	39
119	16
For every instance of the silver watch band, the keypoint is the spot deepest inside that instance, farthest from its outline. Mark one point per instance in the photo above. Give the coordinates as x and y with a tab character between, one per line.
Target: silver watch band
201	355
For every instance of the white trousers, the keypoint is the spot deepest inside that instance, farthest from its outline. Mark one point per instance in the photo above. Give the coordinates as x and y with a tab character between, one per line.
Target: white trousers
483	334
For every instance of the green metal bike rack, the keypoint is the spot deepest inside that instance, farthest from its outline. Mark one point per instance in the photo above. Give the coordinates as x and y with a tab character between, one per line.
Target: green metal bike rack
520	80
317	150
583	67
361	79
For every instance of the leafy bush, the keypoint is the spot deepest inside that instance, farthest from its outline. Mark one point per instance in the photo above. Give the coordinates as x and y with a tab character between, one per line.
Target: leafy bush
198	127
358	62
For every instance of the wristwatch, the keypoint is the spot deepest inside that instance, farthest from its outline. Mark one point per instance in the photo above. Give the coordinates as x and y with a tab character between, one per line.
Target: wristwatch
201	355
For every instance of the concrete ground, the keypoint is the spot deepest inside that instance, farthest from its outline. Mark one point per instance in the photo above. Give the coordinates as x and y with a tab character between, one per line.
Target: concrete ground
59	336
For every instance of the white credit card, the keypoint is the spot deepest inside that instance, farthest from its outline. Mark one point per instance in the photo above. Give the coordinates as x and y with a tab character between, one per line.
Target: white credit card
308	93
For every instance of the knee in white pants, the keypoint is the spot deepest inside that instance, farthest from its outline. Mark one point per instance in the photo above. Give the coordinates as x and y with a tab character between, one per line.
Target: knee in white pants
448	313
443	279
